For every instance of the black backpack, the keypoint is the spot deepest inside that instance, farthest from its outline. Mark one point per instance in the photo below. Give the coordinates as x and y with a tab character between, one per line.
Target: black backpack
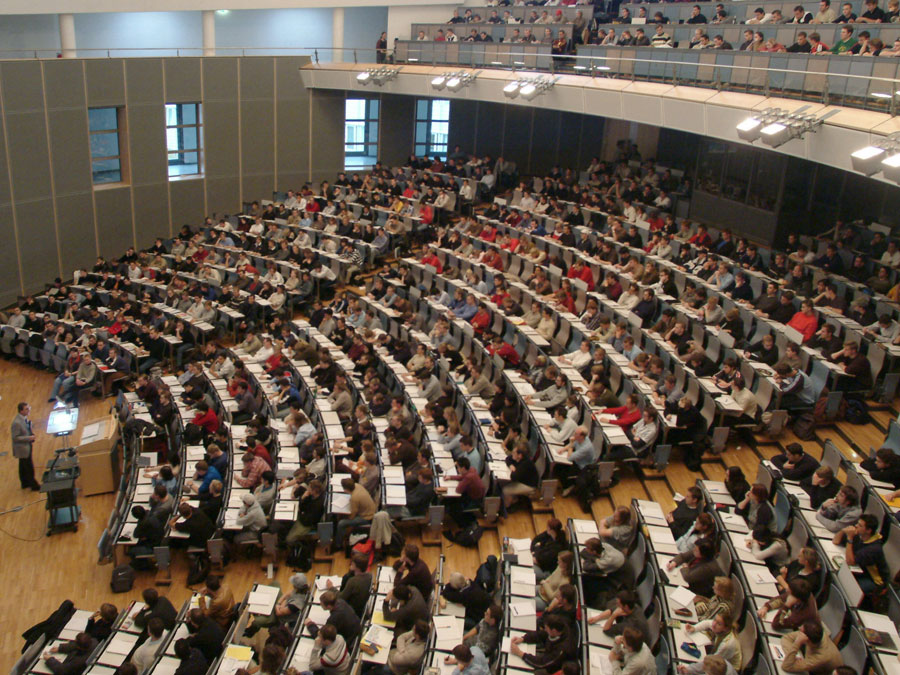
857	411
805	427
469	535
486	575
300	556
122	579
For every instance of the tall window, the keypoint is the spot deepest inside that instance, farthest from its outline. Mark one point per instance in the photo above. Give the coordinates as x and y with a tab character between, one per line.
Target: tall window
106	127
432	127
184	138
360	131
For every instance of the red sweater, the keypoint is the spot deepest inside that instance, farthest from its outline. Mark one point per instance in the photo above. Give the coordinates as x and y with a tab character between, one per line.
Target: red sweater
625	419
434	261
470	485
481	321
208	421
808	325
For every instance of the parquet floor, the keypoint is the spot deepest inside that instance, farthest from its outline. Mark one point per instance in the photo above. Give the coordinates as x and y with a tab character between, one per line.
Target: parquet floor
38	572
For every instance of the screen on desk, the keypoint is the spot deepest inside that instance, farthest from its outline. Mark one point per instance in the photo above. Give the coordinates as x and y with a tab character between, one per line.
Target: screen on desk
62	420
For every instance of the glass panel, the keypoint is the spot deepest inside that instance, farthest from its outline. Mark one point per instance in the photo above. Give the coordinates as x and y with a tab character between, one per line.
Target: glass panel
766	181
373	132
106	171
420	150
105	144
188	113
737	174
354	132
355	109
354	148
172	139
712	159
373	109
103	119
171	114
440	109
421	132
422	109
189	138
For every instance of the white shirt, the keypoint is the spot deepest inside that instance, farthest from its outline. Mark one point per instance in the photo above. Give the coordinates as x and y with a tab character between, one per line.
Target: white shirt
143	656
578	358
264	353
562	433
892	259
323	272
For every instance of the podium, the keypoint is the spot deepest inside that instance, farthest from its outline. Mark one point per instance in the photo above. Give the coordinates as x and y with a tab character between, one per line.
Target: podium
58	483
97	455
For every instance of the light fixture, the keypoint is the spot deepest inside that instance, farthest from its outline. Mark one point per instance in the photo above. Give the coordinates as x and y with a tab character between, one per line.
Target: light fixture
529	88
881	155
454	83
377	76
890	167
439	82
867	160
748	130
529	91
223	12
776	126
511	90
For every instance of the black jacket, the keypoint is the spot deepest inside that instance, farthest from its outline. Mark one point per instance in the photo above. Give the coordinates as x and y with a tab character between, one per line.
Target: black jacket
819	494
889	474
75	659
195	664
473	597
163	609
345	621
551	654
207	637
805	468
355	591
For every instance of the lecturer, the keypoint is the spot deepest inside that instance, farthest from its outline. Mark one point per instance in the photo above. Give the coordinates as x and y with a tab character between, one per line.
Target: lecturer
22	441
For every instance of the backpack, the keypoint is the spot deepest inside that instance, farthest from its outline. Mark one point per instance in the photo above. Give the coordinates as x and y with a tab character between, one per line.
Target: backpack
122	579
857	411
469	535
198	571
486	575
805	427
367	548
299	556
395	547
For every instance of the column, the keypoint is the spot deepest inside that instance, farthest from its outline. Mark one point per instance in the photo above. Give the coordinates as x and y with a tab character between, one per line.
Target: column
337	34
209	32
67	35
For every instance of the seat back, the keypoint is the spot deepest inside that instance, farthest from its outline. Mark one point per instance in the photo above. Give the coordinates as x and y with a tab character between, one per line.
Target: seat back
747	638
854	653
834	613
831	456
216	549
548	491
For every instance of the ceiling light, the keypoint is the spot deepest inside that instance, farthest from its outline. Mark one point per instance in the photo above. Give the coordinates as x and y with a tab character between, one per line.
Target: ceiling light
439	82
511	90
454	83
867	160
748	130
364	78
879	94
529	91
223	11
776	134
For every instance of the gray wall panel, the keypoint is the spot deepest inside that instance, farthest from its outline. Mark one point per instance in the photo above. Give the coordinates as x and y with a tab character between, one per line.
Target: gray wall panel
28	155
9	265
77	239
328	123
5	197
151	213
220	122
258	139
463	118
37	243
490	129
22	88
222	195
287	77
545	136
145	77
147	143
292	151
397	119
257	78
570	141
70	152
105	80
64	83
186	205
220	79
113	208
517	135
256	187
182	80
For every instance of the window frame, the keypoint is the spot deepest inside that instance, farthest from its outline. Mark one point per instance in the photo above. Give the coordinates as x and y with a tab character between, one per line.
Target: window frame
371	115
428	147
181	150
121	133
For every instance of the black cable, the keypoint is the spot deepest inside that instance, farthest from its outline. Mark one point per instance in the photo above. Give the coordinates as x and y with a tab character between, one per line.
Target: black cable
16	510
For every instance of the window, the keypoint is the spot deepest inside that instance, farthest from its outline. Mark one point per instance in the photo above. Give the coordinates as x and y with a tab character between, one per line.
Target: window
432	127
360	132
106	126
184	138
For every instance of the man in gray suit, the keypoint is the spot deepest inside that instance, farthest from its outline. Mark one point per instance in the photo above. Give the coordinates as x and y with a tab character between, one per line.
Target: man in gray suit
22	440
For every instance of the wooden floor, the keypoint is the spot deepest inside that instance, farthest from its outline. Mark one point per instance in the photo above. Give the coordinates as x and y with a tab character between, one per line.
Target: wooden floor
38	572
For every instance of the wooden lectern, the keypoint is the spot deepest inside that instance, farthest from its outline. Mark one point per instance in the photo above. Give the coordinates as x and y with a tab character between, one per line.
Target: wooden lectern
100	466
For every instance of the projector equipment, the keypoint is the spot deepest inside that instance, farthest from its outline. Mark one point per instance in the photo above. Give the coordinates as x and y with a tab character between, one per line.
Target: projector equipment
377	76
529	88
776	126
453	81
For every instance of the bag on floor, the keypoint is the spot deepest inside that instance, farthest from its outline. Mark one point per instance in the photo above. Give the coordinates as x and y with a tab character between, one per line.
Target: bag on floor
469	535
805	427
857	411
122	579
300	556
199	570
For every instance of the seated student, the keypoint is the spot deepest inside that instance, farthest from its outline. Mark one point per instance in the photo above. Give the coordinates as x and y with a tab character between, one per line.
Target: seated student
702	527
617	530
624	611
546	547
362	510
144	656
722	633
683	516
556	643
722	600
580	452
523	478
76	653
340	615
470	595
864	548
470	489
409	652
468	660
841	512
809	650
821	486
798	607
217	601
547	588
156	607
797	389
329	653
857	372
701	570
631	654
485	635
884	466
794	463
755	508
404	606
765	546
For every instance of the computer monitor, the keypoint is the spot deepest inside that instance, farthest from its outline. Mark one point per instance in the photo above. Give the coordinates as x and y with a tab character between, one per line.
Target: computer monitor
62	420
